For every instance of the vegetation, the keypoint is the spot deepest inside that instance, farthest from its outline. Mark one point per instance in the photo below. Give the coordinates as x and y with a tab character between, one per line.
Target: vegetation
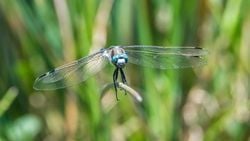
208	103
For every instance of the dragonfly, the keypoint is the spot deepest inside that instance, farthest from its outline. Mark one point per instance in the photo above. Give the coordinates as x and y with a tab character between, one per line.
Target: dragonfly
144	55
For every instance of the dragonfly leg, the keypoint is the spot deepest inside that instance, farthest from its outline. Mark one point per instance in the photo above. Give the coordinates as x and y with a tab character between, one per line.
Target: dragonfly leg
115	76
124	81
123	76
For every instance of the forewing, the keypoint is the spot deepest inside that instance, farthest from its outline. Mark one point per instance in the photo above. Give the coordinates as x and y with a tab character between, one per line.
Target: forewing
166	57
72	73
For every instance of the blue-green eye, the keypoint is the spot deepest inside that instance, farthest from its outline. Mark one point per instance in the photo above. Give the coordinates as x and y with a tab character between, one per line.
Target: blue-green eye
125	56
114	59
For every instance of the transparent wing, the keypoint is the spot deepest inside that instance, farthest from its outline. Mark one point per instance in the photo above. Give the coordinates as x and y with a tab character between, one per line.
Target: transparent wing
72	73
165	57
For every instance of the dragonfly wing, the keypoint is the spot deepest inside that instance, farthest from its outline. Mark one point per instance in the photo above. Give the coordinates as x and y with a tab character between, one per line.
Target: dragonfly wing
166	57
72	73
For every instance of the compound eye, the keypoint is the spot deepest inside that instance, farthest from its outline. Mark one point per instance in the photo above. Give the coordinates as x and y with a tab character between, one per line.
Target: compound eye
114	59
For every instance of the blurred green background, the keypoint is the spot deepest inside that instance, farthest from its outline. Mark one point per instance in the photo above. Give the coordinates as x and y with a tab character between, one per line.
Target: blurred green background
210	103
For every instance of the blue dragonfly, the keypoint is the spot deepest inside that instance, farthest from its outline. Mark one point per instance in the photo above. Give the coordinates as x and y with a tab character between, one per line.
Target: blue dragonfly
148	56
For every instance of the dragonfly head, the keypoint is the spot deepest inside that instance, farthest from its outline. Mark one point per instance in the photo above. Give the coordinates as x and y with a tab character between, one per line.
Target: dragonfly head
120	60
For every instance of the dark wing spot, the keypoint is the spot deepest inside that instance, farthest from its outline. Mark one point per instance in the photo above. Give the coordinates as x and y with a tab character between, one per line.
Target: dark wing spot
52	71
198	48
42	75
196	56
